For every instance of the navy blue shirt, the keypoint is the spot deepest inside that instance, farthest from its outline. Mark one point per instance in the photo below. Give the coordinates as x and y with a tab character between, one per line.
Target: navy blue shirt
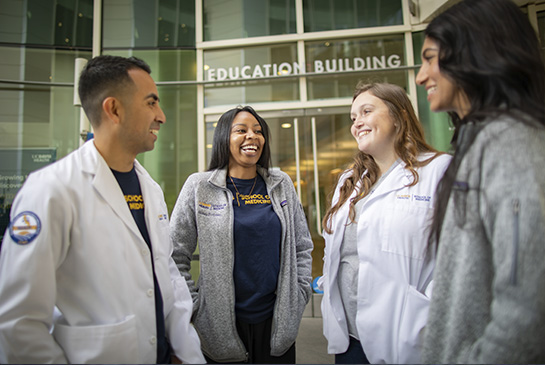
257	236
128	181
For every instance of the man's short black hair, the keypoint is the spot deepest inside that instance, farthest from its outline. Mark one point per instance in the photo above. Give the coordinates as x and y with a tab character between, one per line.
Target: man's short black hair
105	76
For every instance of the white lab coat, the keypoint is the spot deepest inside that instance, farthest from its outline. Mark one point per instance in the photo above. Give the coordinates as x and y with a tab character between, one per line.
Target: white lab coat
90	265
394	282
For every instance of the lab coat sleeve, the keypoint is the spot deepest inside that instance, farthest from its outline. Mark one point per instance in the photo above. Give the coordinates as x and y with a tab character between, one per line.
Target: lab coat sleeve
183	336
28	275
512	203
183	233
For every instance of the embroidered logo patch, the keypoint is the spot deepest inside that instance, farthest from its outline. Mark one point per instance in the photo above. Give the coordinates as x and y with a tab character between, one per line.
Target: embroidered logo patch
422	198
24	228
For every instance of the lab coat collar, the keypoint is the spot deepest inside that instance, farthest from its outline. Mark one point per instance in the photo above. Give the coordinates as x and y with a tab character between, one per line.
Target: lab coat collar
398	178
106	185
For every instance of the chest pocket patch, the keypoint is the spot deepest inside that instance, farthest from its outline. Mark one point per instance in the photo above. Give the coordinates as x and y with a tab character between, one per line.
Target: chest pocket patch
406	230
208	209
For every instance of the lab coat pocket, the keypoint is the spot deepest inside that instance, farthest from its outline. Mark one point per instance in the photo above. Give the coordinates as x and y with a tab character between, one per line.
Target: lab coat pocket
105	344
411	328
406	230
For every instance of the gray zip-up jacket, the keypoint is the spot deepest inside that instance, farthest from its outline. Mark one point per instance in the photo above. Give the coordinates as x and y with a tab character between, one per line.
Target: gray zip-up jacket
488	301
204	213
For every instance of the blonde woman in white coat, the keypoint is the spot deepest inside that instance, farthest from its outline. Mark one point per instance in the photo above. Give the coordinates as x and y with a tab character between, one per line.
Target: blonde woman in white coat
377	279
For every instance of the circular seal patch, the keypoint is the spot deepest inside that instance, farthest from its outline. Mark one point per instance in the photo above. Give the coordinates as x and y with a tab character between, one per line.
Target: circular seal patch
24	228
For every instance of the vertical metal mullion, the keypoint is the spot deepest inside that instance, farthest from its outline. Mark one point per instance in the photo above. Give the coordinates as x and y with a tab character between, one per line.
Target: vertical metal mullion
411	73
201	130
299	19
532	17
409	56
316	176
301	58
97	28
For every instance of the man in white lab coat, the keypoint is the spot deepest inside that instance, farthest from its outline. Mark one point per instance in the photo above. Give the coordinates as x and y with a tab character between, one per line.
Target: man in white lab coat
85	269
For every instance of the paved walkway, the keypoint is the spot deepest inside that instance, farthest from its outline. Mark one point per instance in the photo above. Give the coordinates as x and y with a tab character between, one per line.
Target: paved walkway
311	345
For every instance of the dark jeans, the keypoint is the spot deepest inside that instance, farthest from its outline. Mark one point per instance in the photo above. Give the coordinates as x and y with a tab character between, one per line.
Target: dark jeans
257	340
353	355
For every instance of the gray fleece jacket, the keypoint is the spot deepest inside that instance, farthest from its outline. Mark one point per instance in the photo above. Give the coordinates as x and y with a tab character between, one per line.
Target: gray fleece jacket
488	301
204	213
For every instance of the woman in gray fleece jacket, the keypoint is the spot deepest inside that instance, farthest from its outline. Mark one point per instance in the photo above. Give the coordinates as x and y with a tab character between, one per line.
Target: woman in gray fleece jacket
254	247
481	62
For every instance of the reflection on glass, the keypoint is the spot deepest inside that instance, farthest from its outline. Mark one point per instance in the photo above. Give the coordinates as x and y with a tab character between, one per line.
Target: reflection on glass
39	123
247	18
39	116
239	65
47	22
376	58
323	15
334	149
148	23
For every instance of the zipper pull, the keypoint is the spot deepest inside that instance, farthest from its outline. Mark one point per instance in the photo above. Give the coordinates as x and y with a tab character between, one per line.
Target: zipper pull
516	210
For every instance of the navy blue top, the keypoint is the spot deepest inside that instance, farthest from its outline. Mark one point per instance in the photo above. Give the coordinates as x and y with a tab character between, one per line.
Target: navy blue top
257	236
128	181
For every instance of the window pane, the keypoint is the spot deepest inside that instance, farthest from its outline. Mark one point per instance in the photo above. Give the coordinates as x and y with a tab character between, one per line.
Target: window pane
47	22
374	54
335	148
39	124
149	23
323	15
38	116
166	65
228	19
238	65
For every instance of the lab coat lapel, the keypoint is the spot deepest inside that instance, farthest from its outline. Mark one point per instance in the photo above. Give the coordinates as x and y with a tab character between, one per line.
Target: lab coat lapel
106	185
151	203
398	178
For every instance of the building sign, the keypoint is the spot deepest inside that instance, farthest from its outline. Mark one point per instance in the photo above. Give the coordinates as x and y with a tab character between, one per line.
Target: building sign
318	66
15	167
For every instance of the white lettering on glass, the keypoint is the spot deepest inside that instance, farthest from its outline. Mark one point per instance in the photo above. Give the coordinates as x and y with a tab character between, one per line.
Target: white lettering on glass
319	66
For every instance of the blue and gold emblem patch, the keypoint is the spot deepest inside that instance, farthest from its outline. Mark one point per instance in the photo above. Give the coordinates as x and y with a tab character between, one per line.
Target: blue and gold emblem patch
24	228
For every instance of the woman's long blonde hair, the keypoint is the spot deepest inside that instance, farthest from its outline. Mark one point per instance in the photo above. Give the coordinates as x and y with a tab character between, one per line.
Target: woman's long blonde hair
409	143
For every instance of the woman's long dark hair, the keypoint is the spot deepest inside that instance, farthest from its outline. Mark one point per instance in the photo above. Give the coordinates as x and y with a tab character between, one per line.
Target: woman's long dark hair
222	137
489	50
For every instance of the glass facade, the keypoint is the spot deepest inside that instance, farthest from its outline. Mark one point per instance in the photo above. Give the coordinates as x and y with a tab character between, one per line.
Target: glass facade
322	15
232	19
60	23
149	24
295	61
235	72
350	60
